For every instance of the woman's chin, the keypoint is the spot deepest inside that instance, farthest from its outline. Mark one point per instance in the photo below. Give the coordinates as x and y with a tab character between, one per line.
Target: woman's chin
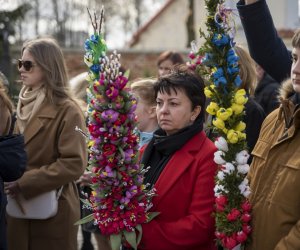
296	87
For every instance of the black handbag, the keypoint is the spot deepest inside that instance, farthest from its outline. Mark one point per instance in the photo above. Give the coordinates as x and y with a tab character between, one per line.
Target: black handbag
13	157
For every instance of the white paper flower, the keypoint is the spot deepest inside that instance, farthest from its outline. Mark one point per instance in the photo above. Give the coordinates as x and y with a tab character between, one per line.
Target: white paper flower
247	192
244	188
221	144
88	59
228	168
218	157
242	157
219	189
243	169
221	175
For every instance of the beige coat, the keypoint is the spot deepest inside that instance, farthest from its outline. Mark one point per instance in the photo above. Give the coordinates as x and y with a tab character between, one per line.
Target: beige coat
57	157
275	181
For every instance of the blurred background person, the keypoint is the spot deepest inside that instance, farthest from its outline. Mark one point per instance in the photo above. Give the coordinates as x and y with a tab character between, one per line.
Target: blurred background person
265	45
167	60
266	91
47	115
12	159
6	106
254	113
143	91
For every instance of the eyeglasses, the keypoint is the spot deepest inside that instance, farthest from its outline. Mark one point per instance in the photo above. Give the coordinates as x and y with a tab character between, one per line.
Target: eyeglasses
26	64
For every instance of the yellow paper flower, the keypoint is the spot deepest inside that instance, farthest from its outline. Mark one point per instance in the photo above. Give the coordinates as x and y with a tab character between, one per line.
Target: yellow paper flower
241	92
224	114
240	99
208	93
240	126
237	108
242	136
90	77
218	123
233	136
103	41
91	143
213	70
88	59
225	130
212	108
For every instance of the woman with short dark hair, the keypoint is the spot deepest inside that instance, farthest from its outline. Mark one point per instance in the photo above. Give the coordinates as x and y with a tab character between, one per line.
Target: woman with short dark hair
181	167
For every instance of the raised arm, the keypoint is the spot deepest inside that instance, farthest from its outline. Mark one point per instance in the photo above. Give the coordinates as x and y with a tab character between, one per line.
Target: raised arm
265	46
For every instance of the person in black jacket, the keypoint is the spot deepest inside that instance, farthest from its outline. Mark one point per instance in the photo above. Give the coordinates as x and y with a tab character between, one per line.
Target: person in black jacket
265	46
266	91
255	114
12	157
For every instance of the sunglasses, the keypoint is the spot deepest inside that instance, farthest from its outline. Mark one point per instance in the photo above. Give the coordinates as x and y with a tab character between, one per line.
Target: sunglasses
27	65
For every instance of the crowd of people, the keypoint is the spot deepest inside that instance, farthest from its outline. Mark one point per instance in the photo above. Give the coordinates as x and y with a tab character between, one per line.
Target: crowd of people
173	140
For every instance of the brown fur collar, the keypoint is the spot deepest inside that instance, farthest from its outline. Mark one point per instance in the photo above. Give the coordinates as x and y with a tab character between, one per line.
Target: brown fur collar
286	90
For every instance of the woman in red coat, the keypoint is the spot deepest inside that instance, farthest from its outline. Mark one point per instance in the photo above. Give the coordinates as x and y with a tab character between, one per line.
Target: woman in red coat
182	169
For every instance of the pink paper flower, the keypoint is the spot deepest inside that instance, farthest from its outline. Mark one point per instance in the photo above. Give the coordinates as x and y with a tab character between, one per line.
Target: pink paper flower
245	217
233	215
241	236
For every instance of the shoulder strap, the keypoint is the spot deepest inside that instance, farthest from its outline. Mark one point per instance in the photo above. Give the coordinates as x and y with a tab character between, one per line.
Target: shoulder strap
13	122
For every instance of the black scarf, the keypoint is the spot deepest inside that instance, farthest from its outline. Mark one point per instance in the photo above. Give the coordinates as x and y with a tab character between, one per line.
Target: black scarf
161	148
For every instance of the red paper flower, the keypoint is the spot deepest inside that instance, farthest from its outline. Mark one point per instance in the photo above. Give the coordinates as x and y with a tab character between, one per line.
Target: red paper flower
233	215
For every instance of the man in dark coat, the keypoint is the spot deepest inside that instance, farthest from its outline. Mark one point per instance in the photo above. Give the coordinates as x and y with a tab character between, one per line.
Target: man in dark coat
265	46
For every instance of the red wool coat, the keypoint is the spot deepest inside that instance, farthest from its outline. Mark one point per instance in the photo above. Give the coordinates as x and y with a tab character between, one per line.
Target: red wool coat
185	200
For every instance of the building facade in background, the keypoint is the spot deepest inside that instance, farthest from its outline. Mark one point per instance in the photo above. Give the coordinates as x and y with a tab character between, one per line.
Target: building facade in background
167	28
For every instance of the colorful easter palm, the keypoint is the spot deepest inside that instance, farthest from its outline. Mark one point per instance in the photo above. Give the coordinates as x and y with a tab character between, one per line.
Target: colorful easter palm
119	199
218	62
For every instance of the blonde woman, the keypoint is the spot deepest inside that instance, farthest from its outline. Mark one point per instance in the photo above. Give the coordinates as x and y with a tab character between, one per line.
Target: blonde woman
145	112
255	114
47	116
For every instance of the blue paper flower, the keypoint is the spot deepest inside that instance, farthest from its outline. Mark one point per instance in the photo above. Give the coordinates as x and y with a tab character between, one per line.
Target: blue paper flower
232	69
238	81
95	68
94	39
218	73
221	80
220	39
232	57
87	45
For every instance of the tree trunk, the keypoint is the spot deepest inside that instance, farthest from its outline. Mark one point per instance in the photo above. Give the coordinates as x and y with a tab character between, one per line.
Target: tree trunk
137	4
37	16
190	24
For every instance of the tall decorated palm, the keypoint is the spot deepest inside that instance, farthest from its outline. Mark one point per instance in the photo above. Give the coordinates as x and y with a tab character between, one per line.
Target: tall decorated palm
119	199
218	62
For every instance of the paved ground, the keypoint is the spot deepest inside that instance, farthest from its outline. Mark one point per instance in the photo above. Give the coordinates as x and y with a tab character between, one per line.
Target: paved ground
80	241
